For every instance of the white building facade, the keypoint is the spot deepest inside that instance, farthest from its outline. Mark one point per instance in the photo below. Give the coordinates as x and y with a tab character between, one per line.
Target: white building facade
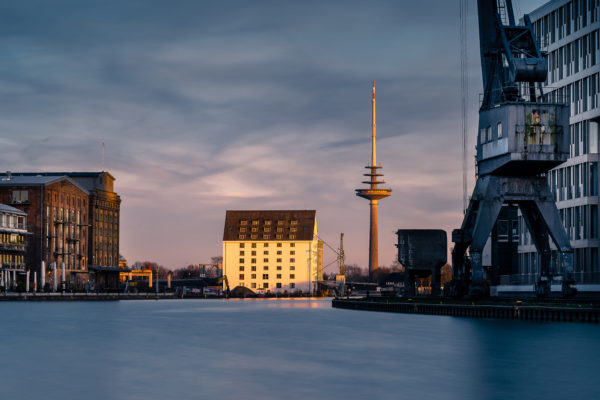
567	31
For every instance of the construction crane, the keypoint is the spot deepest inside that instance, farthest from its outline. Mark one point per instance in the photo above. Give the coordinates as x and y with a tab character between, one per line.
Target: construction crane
521	136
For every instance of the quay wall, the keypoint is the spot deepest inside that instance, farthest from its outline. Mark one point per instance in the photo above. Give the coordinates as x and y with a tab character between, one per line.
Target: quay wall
486	311
84	296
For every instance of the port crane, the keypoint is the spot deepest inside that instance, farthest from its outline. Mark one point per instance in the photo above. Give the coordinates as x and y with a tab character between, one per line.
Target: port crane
522	135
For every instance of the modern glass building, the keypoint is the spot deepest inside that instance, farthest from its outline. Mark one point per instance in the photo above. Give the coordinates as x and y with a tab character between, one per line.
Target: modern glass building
567	31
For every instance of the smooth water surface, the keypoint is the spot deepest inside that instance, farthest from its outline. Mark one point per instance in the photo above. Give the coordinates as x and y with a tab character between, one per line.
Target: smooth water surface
285	349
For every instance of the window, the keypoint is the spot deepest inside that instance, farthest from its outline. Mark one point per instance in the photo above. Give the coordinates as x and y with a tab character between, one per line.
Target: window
278	236
266	252
265	285
489	133
253	252
278	285
279	268
265	267
241	260
278	244
279	230
292	236
255	222
267	222
265	276
265	244
242	229
20	196
241	252
278	276
241	267
292	285
292	268
515	231
254	229
253	285
243	222
253	236
292	276
279	260
253	268
241	277
253	261
292	260
499	129
242	245
294	222
292	229
502	230
265	236
267	229
292	252
280	222
482	136
253	276
278	252
292	244
265	260
253	245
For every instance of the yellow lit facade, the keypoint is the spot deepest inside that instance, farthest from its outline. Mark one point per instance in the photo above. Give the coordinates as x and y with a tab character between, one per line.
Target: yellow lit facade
272	251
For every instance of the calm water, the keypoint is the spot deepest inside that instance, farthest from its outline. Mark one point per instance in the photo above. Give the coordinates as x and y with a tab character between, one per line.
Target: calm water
285	349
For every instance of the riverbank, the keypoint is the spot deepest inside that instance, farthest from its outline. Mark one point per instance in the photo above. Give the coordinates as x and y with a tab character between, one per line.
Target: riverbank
513	310
84	296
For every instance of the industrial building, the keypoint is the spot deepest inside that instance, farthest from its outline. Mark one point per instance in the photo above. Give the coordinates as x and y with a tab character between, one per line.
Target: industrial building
272	251
74	219
104	210
567	32
57	216
13	240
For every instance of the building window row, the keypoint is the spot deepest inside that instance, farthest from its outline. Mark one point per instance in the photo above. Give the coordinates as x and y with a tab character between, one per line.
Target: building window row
565	20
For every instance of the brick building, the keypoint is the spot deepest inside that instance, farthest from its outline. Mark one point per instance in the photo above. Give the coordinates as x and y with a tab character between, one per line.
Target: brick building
104	213
57	217
13	238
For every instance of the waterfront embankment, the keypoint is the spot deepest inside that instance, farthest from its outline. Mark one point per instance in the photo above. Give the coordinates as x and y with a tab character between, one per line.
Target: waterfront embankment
40	296
518	310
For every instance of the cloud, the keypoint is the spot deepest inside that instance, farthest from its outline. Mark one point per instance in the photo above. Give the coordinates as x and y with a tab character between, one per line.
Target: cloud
208	106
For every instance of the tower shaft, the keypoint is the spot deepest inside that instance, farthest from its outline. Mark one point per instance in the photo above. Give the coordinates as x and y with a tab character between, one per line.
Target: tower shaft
373	131
373	241
373	194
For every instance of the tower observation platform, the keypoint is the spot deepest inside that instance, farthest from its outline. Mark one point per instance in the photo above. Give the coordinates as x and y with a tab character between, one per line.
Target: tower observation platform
373	193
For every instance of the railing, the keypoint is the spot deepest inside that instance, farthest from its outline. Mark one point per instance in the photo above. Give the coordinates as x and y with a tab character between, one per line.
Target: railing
12	246
548	94
531	279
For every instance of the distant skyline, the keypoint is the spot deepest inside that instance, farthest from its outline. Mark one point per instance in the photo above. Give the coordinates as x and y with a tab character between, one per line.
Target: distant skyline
212	106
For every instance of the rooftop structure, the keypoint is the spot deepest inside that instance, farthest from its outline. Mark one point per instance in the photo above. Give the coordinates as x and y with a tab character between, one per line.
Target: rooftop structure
373	194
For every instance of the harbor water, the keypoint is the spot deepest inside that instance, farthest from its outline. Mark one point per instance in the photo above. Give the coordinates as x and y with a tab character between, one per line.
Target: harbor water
285	349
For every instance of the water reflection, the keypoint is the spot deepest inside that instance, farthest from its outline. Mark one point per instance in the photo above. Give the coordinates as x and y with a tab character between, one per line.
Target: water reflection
285	348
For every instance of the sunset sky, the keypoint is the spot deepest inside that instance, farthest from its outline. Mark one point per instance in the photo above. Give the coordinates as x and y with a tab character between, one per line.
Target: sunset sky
206	106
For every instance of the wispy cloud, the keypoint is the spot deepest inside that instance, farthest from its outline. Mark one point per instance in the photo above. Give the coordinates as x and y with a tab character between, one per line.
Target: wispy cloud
208	106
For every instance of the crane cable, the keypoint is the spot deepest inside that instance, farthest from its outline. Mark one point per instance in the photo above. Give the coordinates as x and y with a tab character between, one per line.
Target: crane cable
464	89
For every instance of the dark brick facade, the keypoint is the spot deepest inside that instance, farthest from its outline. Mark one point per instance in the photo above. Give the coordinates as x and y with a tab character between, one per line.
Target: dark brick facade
57	217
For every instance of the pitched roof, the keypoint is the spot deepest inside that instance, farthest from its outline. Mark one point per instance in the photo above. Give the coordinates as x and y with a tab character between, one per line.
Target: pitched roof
273	225
8	209
36	180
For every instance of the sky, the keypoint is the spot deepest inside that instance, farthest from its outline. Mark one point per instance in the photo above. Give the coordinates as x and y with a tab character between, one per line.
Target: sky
208	106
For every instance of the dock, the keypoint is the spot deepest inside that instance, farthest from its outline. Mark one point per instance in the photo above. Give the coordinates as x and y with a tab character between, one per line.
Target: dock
110	296
520	310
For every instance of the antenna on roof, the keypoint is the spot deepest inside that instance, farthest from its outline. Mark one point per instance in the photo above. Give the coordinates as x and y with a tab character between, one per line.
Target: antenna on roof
103	155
